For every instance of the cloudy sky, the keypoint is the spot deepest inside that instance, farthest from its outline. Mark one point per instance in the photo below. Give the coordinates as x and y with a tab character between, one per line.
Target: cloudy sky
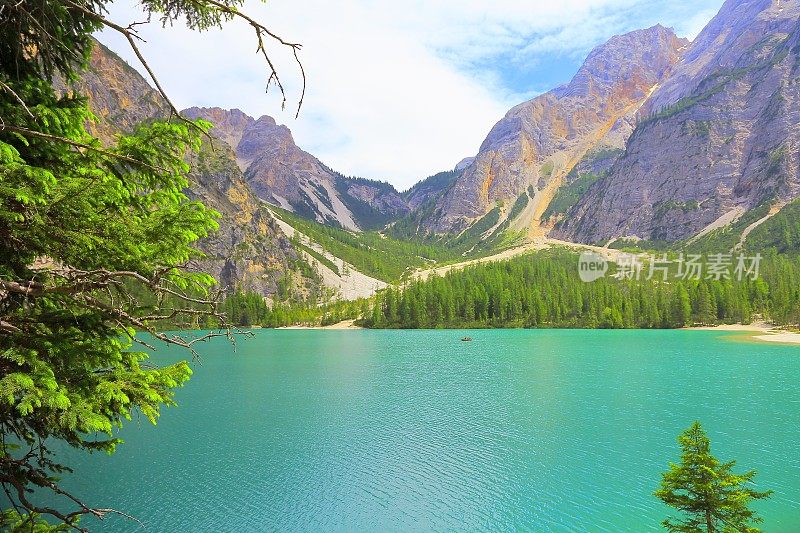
396	90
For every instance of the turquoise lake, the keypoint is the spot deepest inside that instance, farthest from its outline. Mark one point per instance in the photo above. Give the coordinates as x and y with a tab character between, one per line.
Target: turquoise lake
519	430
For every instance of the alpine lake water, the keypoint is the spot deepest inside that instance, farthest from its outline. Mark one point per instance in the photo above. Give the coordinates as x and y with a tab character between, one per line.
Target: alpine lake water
518	430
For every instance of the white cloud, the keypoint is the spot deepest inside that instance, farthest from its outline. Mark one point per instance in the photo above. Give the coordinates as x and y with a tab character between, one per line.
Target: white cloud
396	90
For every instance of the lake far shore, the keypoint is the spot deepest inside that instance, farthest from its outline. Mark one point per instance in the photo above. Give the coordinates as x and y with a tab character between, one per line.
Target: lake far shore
760	331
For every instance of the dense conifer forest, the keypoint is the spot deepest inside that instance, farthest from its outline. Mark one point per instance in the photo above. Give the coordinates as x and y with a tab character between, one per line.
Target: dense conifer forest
543	290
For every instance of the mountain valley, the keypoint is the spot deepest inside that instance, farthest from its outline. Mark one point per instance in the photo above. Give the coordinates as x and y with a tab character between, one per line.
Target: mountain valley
655	142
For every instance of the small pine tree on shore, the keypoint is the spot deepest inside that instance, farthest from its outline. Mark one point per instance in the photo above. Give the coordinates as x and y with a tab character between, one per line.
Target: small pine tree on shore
710	496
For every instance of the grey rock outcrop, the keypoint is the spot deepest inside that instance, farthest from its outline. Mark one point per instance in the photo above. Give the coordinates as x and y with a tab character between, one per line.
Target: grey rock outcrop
248	252
281	173
538	142
719	136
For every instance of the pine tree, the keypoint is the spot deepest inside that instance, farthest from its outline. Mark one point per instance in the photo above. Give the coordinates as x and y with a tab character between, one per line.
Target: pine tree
378	320
94	243
704	305
711	497
391	306
681	308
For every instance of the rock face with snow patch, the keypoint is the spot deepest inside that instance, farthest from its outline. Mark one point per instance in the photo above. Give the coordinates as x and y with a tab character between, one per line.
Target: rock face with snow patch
281	173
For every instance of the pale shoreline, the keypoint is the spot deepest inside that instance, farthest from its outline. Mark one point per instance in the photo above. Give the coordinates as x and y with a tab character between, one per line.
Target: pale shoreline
757	327
761	331
344	324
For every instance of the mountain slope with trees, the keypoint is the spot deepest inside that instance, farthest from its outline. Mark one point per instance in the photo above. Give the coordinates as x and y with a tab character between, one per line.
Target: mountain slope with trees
248	252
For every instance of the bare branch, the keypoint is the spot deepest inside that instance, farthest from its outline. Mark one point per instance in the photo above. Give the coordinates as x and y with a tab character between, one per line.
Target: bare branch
40	479
17	98
132	36
260	31
303	93
8	328
84	287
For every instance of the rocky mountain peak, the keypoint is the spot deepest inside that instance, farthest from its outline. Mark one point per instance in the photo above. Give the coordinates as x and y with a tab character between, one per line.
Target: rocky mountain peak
281	173
262	135
642	55
244	134
228	124
724	43
536	145
716	140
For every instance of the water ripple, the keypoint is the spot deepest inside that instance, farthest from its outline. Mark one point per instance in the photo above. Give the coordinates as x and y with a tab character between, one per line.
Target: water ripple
417	431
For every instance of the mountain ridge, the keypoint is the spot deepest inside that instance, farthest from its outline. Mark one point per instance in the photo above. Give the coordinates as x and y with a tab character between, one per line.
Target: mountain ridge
248	252
603	157
717	137
281	173
538	142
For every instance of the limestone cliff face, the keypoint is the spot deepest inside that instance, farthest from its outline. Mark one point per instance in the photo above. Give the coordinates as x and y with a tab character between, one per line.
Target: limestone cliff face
719	136
118	95
281	173
537	143
249	251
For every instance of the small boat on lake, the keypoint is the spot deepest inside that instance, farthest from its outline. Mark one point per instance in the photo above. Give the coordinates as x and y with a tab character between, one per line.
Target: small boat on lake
466	339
